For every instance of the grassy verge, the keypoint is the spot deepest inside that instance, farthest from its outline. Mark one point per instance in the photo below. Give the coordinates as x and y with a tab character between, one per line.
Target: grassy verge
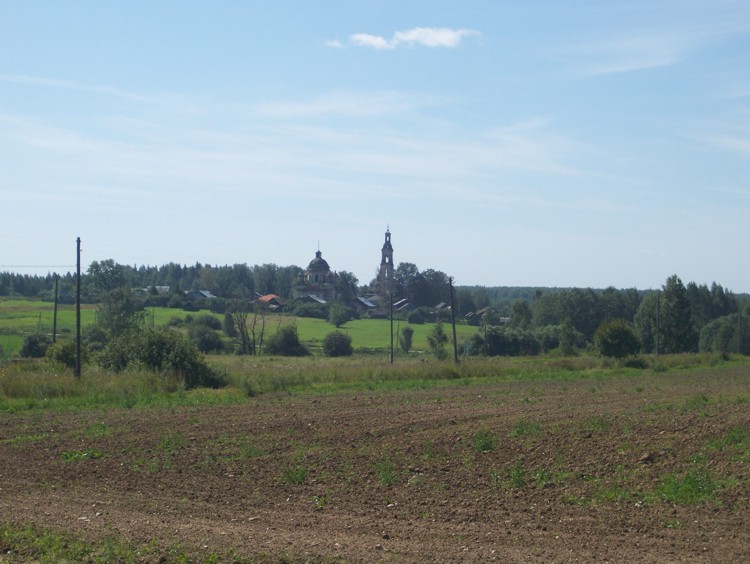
42	385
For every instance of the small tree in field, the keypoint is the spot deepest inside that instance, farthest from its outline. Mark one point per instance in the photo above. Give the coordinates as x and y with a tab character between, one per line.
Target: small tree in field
337	343
338	314
617	338
437	340
405	339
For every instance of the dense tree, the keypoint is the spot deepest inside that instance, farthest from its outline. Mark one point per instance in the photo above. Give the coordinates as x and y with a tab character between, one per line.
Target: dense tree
119	311
677	329
464	302
645	321
345	285
726	334
264	278
405	279
521	314
107	275
617	338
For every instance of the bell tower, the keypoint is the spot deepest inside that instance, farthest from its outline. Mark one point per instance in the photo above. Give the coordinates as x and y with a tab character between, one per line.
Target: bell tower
385	274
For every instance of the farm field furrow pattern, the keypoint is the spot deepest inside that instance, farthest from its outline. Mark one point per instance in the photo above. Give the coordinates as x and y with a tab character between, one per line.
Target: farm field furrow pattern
652	467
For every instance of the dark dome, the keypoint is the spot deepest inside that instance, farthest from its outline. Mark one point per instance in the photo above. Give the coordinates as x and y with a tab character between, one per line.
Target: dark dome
318	263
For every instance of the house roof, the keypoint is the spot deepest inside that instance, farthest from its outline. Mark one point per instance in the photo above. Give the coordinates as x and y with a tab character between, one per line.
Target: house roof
365	302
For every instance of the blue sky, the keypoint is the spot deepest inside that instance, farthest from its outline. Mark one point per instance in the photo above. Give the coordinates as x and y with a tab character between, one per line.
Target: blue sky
508	143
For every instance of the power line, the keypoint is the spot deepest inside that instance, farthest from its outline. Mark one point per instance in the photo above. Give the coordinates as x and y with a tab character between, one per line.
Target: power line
37	265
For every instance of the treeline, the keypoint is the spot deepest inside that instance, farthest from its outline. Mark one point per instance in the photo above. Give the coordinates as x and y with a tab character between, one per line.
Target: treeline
223	281
677	318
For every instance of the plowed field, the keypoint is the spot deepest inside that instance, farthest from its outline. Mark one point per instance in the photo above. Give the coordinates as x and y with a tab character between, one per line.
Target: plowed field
649	468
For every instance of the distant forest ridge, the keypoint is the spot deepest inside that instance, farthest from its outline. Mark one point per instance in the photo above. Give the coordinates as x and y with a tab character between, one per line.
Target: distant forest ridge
426	287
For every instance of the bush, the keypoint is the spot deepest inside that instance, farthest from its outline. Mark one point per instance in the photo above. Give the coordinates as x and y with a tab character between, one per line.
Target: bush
64	352
160	350
418	316
337	343
205	339
617	338
208	320
285	342
304	309
35	345
94	338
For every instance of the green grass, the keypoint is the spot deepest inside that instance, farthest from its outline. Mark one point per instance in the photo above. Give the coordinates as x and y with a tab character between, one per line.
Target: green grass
525	428
484	441
78	455
695	486
20	317
386	471
37	544
295	475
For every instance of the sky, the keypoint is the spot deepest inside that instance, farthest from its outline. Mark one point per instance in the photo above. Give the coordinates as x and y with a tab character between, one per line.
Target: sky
505	143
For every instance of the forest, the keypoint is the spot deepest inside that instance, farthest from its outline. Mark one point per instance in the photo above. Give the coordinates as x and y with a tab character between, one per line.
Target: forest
675	318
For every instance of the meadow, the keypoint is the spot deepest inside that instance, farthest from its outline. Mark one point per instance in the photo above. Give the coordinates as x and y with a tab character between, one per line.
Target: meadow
19	317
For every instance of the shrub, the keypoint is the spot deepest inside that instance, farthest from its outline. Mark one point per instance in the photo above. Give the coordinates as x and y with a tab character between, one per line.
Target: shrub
285	342
35	345
64	352
205	339
337	343
94	338
208	320
161	350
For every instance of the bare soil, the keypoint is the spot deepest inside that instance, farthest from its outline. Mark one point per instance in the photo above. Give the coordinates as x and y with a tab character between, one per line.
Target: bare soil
563	471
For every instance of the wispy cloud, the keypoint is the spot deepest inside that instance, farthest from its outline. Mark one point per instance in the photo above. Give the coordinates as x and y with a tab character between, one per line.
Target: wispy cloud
347	104
418	36
71	85
631	53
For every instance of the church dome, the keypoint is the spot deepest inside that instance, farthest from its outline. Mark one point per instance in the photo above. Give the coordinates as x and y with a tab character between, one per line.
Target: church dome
318	263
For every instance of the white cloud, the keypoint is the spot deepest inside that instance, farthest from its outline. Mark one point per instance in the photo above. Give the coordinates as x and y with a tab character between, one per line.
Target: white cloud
334	43
424	36
374	41
432	37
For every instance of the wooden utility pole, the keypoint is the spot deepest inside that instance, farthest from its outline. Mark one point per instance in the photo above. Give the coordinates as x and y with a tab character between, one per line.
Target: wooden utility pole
453	322
78	308
54	315
390	315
